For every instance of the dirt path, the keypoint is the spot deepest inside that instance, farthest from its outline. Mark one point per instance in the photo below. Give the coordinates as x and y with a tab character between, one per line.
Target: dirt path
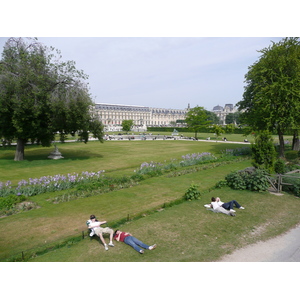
283	248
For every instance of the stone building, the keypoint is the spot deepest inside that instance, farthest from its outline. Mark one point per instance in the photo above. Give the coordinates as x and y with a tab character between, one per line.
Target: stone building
223	112
112	115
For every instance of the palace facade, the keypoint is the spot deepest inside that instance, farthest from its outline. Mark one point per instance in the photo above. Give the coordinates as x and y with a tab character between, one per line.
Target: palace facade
112	115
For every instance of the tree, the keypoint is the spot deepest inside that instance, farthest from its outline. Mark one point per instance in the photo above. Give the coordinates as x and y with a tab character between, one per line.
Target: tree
212	117
233	118
39	96
127	124
271	100
264	152
195	118
217	130
229	128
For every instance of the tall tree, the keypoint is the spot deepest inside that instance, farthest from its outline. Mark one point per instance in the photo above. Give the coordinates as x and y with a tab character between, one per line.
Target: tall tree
195	118
271	100
40	95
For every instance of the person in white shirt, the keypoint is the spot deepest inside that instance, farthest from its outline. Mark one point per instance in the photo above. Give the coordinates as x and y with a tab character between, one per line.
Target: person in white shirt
217	204
95	226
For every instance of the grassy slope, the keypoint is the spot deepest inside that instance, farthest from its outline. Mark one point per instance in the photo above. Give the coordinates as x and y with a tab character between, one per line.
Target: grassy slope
48	224
189	232
181	228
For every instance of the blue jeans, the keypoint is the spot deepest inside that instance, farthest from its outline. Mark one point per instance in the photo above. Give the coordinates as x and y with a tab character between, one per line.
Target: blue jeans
135	243
230	204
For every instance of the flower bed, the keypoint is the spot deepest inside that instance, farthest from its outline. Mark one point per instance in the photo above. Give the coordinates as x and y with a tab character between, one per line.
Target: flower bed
35	186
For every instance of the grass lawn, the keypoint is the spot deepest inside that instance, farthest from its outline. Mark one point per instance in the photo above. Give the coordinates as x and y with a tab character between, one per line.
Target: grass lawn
189	233
117	157
184	232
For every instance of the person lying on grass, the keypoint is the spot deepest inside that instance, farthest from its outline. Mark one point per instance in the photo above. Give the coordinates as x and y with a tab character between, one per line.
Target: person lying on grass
96	228
226	208
130	240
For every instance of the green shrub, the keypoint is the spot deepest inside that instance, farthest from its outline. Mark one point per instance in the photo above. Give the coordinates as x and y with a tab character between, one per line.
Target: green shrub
294	188
192	193
220	184
257	181
10	201
264	151
236	181
279	166
245	180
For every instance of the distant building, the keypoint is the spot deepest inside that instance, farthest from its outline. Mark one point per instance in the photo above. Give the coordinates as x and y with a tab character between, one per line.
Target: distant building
112	115
223	112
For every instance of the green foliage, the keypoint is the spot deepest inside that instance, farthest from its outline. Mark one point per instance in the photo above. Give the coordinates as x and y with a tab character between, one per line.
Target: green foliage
233	118
263	151
192	193
10	201
11	204
279	166
40	95
272	92
195	118
221	184
218	130
236	181
127	124
294	187
244	180
229	128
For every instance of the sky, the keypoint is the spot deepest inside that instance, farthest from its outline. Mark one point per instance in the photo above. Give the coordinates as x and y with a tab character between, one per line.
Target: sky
162	72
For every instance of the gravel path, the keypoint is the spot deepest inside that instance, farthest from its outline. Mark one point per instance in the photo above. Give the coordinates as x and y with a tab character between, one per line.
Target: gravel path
283	248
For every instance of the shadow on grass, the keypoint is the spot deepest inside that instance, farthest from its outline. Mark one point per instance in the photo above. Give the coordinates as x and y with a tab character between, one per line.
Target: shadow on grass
41	154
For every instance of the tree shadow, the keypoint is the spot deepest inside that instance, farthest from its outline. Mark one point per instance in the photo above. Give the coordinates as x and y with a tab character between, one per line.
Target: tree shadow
42	154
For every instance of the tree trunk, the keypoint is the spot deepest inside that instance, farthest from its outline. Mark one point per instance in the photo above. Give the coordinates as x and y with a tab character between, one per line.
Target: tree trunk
281	144
19	155
296	142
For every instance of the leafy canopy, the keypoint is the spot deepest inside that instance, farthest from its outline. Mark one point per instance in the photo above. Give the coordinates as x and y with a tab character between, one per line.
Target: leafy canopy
40	95
271	100
196	118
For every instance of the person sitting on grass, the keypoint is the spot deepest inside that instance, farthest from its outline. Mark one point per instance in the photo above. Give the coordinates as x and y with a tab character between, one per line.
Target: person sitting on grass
130	240
96	228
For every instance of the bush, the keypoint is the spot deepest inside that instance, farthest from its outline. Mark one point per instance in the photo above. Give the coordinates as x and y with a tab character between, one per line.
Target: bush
236	181
264	152
192	193
245	180
294	188
279	166
10	201
220	184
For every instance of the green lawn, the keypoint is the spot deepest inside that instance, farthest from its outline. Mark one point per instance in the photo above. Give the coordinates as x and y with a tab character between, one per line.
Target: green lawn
188	232
184	232
117	157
